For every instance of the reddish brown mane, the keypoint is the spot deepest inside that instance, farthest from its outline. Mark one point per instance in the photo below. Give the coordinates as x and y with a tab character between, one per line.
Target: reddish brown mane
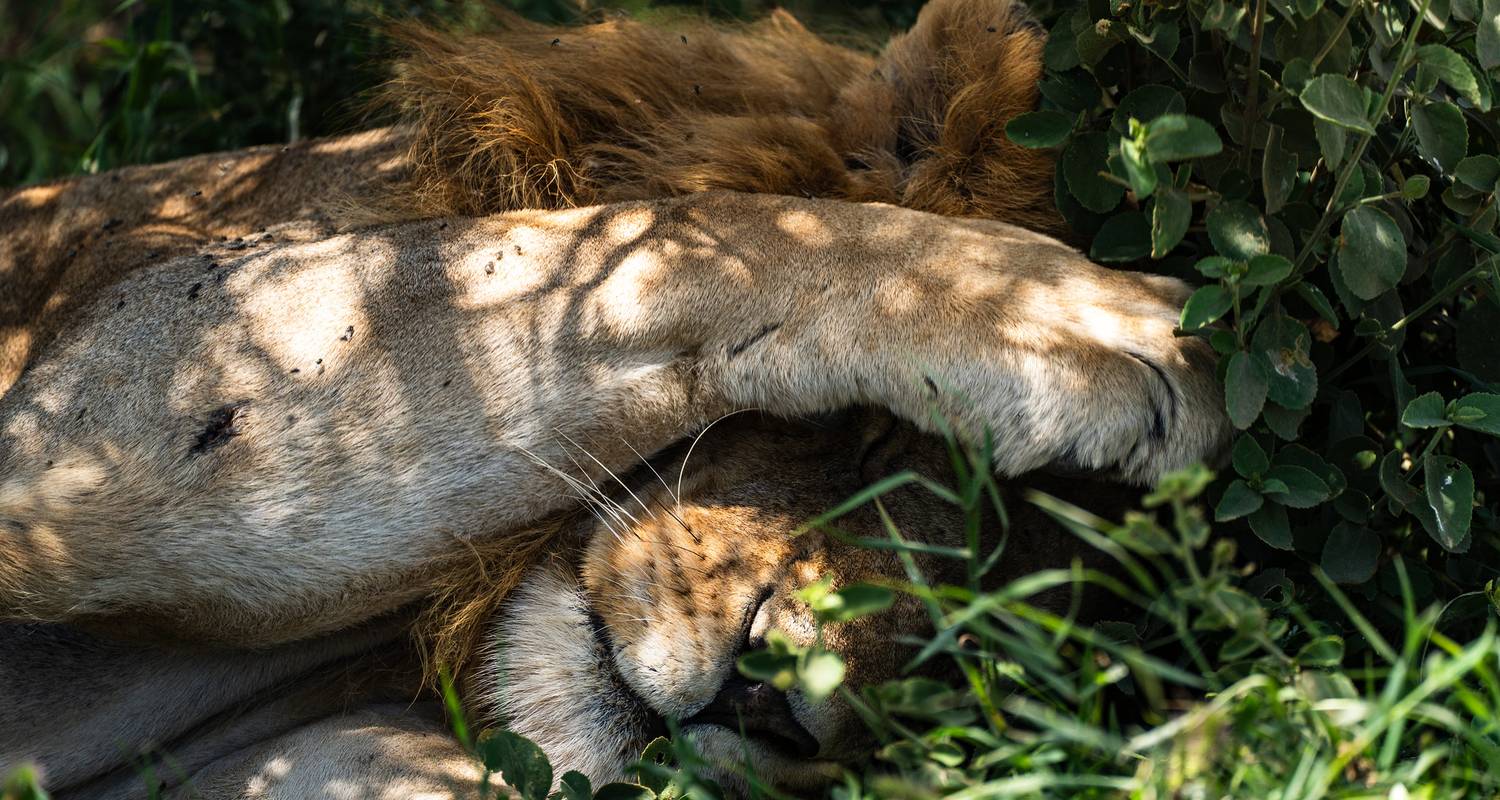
530	115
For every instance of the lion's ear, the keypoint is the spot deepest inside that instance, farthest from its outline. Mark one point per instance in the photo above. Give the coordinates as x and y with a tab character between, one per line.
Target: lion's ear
932	116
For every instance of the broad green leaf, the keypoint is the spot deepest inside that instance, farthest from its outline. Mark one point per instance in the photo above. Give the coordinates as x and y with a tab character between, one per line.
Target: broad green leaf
1480	173
1442	134
1304	489
1170	215
1332	142
1285	344
521	764
1138	169
1266	270
1451	69
1245	388
1039	129
1238	500
1278	171
1215	267
1324	651
1125	237
1415	188
1238	231
821	674
1206	305
1083	160
1479	411
1350	554
1173	137
575	785
1248	457
854	601
1487	38
1450	494
1146	104
1372	252
1339	100
1425	411
1270	524
1394	482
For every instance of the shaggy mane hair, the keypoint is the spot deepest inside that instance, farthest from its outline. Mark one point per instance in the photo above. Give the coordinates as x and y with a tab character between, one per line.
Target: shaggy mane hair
536	116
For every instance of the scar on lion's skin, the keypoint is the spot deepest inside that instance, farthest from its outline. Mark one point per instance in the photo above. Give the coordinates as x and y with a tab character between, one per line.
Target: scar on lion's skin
223	425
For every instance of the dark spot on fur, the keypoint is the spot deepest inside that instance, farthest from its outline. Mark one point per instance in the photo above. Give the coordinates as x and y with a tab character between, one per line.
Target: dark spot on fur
684	39
292	418
518	249
197	193
193	291
295	370
348	334
443	226
556	42
765	331
991	29
49	463
697	88
850	162
222	426
119	305
489	269
112	223
932	386
81	412
447	383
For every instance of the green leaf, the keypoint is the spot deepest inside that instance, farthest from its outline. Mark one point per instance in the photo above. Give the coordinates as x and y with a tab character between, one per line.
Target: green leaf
1479	412
1245	388
1450	495
1372	252
1138	169
1481	172
1083	160
1451	69
1206	305
1238	231
1425	412
1487	38
1146	104
1271	526
521	764
1248	457
854	601
1339	100
1332	141
1285	343
1040	129
1442	134
821	674
1324	651
1170	215
1304	489
1173	137
1238	500
1350	554
1415	188
574	785
1124	237
1266	270
1278	171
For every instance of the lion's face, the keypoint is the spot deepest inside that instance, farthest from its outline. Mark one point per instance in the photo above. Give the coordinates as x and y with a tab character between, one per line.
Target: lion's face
645	619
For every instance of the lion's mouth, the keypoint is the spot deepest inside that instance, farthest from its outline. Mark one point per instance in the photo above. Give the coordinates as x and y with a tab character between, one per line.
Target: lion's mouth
637	712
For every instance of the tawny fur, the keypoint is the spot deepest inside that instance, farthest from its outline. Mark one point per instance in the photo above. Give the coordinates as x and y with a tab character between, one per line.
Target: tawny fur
535	116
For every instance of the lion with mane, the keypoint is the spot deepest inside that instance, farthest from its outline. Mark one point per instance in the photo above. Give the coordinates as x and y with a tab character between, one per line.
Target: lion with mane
535	386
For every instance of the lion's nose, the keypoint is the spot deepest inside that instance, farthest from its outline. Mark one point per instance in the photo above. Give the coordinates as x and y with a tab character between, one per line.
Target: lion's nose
762	712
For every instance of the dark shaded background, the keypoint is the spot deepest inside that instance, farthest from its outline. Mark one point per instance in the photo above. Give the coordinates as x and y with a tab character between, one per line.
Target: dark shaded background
88	85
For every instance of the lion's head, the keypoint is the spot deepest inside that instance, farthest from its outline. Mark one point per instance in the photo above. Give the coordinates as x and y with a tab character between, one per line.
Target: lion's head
640	610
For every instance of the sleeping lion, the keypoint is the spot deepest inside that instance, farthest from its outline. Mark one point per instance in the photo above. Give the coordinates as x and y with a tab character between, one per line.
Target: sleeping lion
540	388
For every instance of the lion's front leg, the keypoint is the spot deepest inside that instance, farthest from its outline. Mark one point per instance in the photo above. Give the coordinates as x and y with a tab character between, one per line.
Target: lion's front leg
263	449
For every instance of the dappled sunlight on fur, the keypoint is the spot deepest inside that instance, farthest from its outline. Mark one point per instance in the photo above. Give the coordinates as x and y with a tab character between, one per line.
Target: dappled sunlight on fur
536	116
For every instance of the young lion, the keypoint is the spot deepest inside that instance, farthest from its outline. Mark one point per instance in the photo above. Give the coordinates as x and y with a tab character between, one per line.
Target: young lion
287	441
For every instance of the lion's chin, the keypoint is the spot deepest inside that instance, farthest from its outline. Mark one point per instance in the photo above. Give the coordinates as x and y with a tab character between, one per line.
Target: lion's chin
730	754
544	675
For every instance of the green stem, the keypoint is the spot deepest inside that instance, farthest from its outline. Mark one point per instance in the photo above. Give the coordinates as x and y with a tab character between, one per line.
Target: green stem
1252	94
1332	40
1403	62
